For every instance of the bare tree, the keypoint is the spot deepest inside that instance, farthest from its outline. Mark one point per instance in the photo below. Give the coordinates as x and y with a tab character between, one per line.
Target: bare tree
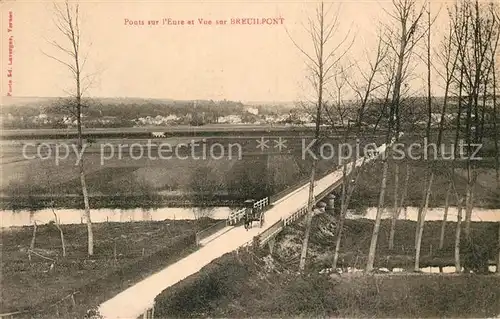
364	94
67	21
321	63
473	42
406	14
395	198
457	18
496	18
475	60
423	210
448	57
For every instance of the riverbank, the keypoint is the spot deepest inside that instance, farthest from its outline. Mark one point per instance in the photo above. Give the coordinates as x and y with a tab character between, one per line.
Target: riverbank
258	284
124	253
356	242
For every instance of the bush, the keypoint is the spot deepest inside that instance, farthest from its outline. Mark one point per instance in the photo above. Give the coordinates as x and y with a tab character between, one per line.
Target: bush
196	295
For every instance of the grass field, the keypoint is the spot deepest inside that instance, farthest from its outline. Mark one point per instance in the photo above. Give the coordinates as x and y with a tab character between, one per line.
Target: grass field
26	284
486	193
258	173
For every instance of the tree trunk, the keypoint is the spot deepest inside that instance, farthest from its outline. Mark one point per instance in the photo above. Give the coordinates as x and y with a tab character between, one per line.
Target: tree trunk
401	203
341	223
405	190
67	21
337	242
458	267
63	244
421	221
33	239
321	74
420	208
90	234
445	217
395	212
347	190
310	205
376	227
420	226
468	210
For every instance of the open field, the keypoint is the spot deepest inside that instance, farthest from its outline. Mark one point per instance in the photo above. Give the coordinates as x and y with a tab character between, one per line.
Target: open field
255	174
213	171
124	254
486	193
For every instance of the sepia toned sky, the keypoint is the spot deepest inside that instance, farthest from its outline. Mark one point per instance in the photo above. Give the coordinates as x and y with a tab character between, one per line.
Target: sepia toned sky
236	62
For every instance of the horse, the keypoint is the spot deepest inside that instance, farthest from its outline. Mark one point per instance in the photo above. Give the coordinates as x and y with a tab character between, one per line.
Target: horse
248	220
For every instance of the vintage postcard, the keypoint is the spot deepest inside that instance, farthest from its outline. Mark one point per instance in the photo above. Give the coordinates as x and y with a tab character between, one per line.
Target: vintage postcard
237	159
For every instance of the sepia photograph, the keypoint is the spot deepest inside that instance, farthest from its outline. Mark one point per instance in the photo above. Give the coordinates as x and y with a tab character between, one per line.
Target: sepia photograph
249	159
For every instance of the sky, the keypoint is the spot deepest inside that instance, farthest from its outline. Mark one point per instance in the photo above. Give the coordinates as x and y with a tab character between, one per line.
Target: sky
234	62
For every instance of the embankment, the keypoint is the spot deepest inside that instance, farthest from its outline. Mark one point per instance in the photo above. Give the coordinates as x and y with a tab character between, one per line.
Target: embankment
244	285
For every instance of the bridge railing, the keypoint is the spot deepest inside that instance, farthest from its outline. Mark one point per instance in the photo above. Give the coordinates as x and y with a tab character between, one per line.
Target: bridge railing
270	232
235	217
261	203
295	215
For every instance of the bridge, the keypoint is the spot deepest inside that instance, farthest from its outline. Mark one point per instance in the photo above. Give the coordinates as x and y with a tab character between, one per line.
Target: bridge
138	300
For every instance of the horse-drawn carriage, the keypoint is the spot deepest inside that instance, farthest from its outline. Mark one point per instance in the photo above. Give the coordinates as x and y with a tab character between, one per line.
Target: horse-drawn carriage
253	214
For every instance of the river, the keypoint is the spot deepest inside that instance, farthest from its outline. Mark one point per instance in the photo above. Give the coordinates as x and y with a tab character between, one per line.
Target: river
75	216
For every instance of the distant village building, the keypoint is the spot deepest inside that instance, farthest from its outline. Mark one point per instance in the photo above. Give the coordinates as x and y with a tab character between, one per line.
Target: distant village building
252	110
108	119
305	118
276	118
157	120
229	119
158	134
172	118
42	118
